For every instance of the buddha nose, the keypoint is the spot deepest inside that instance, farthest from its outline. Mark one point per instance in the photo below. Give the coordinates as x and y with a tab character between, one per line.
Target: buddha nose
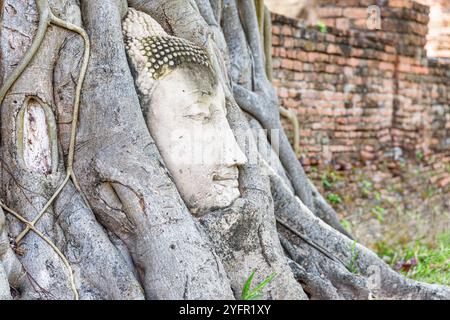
233	155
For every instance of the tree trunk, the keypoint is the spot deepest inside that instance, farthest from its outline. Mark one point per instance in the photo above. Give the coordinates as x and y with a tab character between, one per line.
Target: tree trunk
111	222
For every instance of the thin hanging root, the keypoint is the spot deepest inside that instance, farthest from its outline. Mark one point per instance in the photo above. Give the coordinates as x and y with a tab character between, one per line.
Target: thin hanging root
290	115
313	244
267	46
265	30
259	6
47	18
44	209
44	21
84	66
267	36
70	174
50	243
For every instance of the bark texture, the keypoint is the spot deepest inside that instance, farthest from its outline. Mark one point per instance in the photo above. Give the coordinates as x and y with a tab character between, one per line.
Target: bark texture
119	223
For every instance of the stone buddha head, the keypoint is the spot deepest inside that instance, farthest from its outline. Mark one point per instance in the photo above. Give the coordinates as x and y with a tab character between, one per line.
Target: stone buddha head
185	110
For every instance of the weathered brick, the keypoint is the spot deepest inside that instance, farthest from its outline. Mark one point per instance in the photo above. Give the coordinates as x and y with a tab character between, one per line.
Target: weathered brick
325	12
333	49
286	30
343	23
355	13
400	3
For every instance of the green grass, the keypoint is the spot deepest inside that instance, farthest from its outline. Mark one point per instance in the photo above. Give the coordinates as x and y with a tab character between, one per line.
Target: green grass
352	266
420	261
379	213
428	193
326	182
366	188
256	292
346	224
328	179
334	198
420	156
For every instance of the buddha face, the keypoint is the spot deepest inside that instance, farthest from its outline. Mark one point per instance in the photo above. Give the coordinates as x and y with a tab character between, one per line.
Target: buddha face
185	111
187	119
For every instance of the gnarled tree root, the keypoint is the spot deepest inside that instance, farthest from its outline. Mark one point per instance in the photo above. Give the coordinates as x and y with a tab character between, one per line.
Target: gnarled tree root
82	238
359	273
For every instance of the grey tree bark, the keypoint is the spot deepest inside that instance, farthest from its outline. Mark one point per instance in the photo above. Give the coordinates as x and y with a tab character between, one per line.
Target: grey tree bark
118	228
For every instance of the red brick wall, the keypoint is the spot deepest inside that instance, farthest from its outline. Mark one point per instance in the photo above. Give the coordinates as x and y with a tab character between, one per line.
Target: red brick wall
362	95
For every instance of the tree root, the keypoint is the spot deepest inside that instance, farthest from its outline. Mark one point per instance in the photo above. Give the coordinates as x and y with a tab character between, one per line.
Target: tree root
125	179
370	277
292	117
11	270
49	242
320	278
261	102
47	18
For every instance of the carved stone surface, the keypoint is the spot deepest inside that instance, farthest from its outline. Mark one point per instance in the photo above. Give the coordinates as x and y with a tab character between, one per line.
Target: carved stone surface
190	129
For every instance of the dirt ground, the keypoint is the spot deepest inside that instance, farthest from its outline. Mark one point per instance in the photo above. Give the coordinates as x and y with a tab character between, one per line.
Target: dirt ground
398	210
